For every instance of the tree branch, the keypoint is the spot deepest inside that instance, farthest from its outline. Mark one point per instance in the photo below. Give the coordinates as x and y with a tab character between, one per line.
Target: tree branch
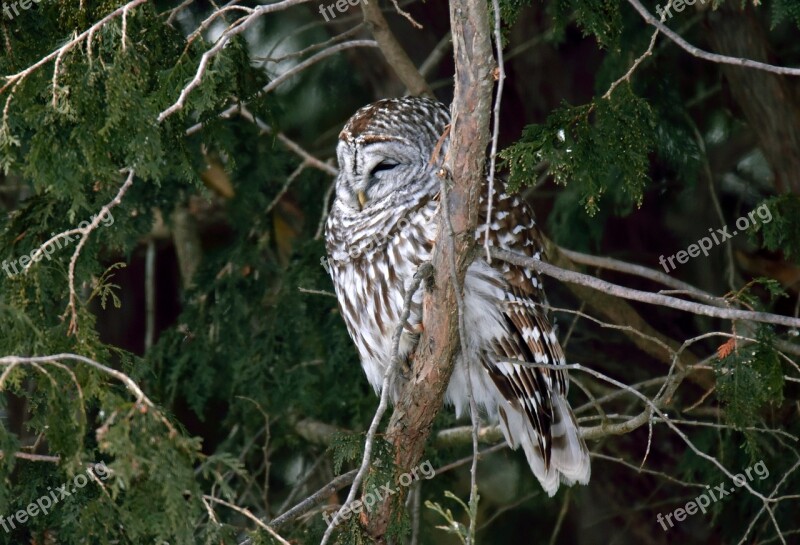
642	296
422	396
395	55
705	55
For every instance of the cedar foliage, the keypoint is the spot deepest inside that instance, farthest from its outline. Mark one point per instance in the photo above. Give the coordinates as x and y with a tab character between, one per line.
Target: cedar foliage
249	356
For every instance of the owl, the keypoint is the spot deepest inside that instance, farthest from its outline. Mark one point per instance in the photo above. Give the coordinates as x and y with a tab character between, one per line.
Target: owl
382	227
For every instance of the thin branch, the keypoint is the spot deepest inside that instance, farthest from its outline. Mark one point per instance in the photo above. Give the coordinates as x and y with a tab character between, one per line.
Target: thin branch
310	502
246	512
641	296
292	177
323	218
129	383
34	457
705	55
325	53
290	144
436	55
635	65
641	271
500	76
466	359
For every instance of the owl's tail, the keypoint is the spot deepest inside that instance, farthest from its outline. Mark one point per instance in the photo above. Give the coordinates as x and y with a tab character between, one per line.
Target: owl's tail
569	458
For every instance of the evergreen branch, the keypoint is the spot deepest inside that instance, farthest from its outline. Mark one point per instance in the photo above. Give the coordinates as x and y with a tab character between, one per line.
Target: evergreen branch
424	271
58	53
642	296
236	28
129	383
705	55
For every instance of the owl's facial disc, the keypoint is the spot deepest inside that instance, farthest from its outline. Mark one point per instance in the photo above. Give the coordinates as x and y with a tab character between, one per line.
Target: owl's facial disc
372	171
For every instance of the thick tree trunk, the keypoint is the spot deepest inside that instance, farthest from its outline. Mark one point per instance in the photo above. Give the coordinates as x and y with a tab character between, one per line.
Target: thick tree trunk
422	397
771	103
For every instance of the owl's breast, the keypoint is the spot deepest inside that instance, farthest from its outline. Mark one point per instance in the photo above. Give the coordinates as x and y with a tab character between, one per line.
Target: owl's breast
371	284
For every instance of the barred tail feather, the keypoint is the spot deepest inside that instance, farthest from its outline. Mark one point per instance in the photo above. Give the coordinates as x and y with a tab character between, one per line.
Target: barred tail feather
569	455
569	458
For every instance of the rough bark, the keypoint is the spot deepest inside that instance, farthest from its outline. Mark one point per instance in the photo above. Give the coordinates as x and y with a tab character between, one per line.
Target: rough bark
421	399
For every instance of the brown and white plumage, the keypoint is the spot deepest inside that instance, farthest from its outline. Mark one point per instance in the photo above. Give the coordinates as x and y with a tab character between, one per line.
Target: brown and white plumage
382	227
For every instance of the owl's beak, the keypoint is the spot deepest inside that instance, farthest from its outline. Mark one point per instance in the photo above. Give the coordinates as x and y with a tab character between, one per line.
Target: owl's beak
362	198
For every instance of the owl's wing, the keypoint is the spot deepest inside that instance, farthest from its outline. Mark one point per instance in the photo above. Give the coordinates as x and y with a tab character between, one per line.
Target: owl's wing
538	393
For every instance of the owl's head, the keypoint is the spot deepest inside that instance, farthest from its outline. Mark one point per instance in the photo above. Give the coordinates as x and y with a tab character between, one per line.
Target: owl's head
385	152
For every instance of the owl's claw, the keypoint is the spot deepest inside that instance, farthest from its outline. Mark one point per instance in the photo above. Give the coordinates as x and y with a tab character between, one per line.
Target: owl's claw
406	367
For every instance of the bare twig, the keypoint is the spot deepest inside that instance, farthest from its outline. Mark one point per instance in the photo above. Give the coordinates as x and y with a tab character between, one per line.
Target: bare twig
634	66
246	512
466	359
641	296
34	457
500	76
705	55
56	358
641	271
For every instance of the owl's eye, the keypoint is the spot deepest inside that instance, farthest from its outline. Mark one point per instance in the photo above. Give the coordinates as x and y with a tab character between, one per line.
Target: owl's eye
386	164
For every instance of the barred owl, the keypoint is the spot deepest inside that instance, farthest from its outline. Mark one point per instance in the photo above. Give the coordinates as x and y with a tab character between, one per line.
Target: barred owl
382	226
